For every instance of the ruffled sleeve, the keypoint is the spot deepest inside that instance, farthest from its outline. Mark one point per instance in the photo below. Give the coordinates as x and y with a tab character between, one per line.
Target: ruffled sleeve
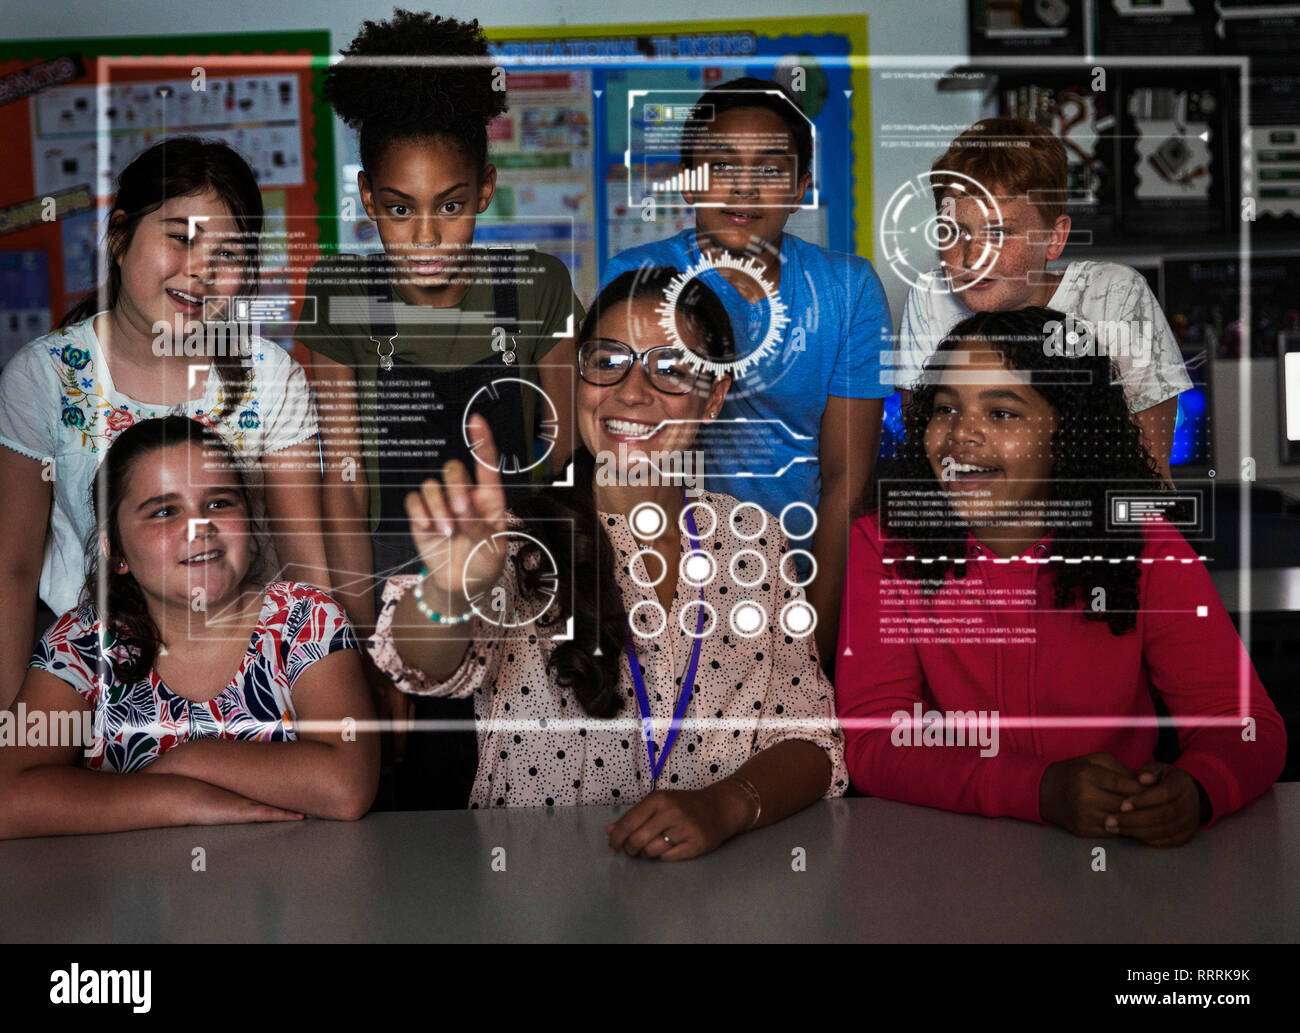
482	660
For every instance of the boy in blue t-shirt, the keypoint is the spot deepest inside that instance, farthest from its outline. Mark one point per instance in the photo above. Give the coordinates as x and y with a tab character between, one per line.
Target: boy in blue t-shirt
816	382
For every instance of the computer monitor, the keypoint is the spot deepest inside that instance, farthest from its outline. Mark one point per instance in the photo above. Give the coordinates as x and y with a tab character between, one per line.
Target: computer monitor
1193	434
1202	300
891	431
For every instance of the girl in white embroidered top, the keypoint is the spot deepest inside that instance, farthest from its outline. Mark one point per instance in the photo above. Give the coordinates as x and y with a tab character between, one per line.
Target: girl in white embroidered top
726	721
183	238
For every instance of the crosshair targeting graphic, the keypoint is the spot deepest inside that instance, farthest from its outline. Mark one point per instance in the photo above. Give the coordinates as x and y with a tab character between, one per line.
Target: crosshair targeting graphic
489	601
910	228
546	420
778	316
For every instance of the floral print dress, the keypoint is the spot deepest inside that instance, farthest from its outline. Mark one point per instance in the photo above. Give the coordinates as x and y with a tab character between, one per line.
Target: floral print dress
136	723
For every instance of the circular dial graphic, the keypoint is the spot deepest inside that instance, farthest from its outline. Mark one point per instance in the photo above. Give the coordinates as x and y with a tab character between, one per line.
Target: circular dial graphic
911	230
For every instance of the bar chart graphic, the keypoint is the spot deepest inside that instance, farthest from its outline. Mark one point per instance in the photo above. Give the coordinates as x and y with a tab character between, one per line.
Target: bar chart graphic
691	179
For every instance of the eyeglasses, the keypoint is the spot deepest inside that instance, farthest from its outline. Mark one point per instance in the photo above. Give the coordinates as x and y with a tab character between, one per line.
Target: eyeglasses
604	362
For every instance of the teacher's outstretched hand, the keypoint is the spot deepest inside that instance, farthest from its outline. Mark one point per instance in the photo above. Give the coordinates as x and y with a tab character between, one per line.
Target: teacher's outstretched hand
451	517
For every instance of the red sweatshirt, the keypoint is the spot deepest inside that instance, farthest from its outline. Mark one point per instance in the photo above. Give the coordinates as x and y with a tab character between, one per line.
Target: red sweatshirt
1074	668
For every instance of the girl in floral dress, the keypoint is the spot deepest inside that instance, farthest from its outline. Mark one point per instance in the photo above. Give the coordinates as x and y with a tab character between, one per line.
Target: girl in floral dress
182	242
138	679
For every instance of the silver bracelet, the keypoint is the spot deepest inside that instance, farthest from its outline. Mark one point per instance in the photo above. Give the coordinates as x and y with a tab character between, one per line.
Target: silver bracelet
425	609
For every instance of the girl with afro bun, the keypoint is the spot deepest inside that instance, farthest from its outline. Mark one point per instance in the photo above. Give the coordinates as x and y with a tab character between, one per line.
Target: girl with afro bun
1014	629
407	343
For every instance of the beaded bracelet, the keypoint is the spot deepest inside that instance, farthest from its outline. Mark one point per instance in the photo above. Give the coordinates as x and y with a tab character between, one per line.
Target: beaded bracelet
425	609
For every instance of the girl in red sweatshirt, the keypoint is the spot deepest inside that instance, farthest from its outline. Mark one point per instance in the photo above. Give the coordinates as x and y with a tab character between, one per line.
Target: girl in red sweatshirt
1013	616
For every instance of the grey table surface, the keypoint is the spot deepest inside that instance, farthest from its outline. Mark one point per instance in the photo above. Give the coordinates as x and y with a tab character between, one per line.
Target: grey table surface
874	870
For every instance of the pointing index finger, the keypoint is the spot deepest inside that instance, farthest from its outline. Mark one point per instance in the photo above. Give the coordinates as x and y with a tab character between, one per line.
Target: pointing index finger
489	498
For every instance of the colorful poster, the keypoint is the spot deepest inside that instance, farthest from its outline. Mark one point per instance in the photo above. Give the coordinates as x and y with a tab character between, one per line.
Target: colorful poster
542	149
545	163
59	106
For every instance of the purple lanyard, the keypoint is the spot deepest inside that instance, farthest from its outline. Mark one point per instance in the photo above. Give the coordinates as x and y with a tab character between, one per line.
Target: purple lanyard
688	683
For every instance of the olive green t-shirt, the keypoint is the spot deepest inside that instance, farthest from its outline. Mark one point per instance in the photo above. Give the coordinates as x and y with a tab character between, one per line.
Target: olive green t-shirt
350	297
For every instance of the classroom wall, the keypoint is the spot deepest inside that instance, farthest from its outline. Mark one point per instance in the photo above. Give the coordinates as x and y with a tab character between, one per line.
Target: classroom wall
895	26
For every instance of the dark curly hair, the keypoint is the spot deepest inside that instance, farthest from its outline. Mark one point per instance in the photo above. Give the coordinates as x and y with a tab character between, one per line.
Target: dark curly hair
589	664
125	612
1096	446
412	100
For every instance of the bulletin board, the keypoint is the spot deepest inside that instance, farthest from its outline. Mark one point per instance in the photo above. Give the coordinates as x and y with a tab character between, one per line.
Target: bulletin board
61	99
560	149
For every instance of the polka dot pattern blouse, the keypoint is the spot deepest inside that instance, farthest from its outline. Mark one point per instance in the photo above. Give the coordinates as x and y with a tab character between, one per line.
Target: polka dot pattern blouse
759	681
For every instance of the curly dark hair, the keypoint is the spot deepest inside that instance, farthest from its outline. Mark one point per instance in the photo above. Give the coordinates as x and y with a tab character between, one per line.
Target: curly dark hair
1096	446
589	664
403	101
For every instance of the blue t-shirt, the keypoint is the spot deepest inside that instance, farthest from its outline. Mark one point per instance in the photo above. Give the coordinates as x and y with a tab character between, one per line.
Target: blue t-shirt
839	323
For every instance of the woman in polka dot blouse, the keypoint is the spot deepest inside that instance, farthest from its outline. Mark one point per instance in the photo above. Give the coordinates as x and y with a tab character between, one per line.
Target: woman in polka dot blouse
539	613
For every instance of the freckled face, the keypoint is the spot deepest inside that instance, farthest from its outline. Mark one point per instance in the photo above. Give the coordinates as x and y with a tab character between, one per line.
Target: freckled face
997	264
989	438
